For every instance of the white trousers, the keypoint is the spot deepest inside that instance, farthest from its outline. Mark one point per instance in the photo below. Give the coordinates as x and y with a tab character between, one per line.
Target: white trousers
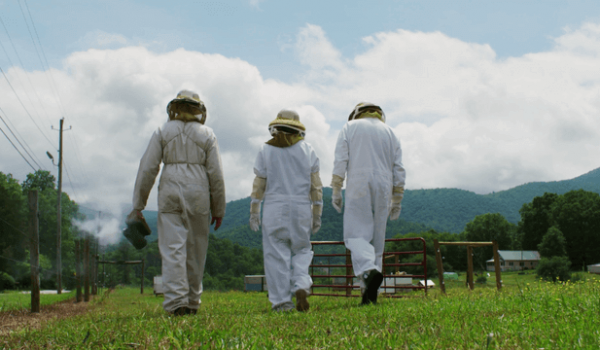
182	241
365	220
286	228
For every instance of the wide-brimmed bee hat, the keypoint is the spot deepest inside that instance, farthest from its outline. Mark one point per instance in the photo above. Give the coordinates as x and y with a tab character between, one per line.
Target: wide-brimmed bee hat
287	119
366	107
187	102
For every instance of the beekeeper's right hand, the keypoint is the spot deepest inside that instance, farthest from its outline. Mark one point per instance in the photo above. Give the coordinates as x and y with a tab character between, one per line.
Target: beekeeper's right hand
254	221
336	198
258	192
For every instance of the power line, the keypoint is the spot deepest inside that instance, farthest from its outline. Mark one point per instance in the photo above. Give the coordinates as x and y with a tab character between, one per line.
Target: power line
43	53
25	108
16	138
49	73
78	157
29	80
17	149
69	177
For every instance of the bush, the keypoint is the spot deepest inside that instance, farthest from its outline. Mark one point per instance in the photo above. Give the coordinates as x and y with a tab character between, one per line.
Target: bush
577	277
554	269
6	281
481	279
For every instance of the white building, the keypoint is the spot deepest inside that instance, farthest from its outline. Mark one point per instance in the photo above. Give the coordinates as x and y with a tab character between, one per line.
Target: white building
515	260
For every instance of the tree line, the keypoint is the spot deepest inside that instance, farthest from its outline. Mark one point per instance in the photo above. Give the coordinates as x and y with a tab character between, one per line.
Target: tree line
565	229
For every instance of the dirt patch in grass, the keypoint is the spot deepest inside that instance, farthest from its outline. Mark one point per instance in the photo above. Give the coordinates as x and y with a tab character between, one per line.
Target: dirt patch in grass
19	319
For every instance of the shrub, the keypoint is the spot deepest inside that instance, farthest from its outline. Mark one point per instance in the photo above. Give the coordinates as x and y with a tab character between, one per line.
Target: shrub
481	279
577	277
6	281
554	269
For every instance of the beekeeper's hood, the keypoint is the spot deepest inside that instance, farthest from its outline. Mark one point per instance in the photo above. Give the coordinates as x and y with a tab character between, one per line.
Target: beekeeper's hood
187	106
287	119
367	110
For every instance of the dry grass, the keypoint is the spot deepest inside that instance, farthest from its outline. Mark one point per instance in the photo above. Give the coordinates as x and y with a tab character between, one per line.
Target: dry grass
13	320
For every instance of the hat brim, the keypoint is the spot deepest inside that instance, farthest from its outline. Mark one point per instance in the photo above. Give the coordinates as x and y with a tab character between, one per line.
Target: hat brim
287	122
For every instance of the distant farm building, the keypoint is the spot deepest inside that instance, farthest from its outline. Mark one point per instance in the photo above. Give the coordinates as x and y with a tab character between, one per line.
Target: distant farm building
594	268
515	260
430	283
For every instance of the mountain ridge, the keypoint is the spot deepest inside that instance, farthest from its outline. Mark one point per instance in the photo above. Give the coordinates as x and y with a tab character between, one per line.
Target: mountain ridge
441	209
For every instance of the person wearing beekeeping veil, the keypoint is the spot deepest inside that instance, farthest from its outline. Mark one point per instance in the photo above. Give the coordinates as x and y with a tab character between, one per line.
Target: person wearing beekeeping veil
287	180
369	154
191	192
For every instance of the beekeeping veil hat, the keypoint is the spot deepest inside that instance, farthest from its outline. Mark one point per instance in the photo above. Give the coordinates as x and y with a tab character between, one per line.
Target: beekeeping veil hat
368	109
287	119
187	106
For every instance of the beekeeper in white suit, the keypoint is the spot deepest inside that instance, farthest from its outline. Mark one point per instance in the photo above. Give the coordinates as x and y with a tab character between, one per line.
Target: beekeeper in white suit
287	179
369	152
191	190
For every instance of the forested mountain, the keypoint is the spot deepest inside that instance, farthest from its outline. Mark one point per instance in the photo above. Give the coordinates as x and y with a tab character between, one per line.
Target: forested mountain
443	209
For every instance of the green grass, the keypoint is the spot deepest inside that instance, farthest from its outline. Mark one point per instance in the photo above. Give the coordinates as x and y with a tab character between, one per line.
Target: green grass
15	300
529	315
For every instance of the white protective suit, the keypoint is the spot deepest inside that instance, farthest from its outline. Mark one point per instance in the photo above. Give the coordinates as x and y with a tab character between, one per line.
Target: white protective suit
369	152
287	218
191	188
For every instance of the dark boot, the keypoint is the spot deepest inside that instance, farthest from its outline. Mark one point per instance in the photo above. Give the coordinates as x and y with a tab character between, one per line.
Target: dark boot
182	311
373	281
301	300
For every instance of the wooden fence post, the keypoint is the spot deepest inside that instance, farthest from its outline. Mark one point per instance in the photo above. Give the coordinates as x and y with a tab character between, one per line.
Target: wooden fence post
497	265
142	289
86	268
78	269
95	267
348	273
440	265
470	267
34	250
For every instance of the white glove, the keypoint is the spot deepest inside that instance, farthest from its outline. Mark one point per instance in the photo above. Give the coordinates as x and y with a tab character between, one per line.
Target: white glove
254	221
316	222
395	205
395	211
254	216
336	198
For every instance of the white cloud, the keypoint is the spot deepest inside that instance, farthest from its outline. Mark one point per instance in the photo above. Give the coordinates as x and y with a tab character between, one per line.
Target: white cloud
465	118
315	50
101	39
256	3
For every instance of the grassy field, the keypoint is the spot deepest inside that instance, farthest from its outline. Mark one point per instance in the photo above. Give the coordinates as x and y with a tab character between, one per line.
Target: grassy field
16	300
527	314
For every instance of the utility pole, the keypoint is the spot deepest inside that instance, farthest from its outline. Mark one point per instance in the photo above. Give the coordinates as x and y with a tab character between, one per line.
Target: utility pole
58	212
34	250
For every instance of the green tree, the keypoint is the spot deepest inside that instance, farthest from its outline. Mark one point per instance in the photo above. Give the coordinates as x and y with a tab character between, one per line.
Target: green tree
486	228
39	180
577	214
13	222
553	244
536	219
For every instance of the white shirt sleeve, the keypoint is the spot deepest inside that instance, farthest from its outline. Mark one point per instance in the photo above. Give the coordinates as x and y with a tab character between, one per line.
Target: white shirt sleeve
398	171
342	155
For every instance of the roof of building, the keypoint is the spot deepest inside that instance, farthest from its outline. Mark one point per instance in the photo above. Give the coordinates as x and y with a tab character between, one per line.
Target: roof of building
518	255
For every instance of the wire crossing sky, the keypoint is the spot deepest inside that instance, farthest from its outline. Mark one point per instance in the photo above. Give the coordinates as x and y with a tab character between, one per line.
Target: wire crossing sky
484	95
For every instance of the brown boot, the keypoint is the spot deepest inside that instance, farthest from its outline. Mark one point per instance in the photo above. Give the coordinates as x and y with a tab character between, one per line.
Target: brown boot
301	300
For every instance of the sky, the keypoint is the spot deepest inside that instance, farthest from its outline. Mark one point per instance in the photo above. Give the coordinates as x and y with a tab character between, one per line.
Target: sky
483	95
